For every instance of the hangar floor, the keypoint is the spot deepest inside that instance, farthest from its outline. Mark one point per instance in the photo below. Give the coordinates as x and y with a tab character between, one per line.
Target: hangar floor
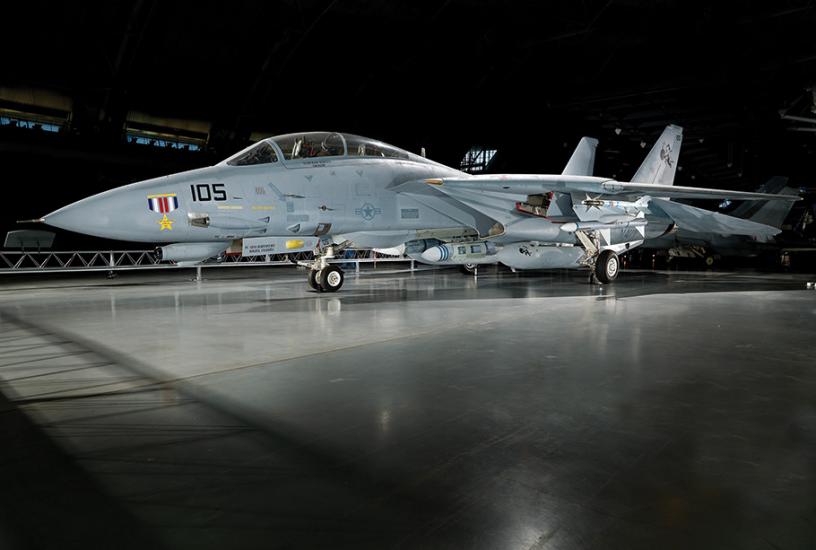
428	410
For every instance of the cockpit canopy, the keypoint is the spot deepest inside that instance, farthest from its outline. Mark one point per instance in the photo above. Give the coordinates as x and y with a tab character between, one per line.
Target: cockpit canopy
309	145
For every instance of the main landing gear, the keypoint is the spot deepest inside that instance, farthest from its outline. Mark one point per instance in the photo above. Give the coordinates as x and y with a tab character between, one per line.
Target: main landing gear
604	265
607	266
323	276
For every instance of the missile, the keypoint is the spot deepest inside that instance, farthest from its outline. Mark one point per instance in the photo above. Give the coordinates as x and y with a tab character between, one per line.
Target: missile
460	253
439	253
572	227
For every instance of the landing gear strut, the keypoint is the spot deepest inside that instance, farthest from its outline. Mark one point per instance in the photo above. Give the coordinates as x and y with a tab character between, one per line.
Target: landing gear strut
604	265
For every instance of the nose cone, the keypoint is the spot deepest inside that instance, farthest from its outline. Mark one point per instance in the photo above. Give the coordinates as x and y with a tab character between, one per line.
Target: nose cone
69	217
110	215
121	214
90	216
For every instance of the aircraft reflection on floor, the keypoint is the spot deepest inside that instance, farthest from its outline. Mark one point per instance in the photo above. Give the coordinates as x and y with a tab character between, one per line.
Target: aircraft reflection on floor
432	410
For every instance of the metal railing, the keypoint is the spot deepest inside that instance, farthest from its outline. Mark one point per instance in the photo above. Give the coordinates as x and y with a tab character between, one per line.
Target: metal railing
129	260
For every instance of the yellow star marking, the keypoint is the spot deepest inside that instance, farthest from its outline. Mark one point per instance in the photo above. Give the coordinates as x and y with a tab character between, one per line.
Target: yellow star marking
166	224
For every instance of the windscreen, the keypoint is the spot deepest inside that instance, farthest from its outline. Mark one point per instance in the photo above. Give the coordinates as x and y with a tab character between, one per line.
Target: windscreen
261	153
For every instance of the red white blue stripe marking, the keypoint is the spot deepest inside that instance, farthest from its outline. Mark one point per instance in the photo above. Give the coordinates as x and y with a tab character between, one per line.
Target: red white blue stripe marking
162	203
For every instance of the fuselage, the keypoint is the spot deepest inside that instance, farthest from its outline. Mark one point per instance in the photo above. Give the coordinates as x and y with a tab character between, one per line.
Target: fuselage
279	194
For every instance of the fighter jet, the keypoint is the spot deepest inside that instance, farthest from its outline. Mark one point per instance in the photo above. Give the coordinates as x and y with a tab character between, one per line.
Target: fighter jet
325	191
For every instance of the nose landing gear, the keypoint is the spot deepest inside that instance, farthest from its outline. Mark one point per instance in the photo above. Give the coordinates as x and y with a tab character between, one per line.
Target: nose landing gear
323	276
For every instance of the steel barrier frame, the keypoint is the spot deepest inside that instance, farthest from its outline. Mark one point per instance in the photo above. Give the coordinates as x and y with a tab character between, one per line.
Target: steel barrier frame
69	261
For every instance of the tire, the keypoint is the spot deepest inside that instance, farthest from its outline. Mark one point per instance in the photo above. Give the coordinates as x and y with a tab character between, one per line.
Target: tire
313	280
607	267
710	261
468	269
331	278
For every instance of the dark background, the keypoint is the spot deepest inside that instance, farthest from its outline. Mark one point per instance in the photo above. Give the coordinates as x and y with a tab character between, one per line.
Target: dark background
526	77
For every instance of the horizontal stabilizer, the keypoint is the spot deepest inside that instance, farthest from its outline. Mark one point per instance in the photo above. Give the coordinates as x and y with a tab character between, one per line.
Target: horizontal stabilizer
773	212
699	220
768	212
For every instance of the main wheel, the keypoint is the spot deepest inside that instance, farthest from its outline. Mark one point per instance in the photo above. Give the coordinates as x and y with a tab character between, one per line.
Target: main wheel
468	269
331	278
313	282
607	267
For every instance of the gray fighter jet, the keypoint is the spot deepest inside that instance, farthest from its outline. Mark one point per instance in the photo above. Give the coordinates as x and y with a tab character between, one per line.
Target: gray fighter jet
325	191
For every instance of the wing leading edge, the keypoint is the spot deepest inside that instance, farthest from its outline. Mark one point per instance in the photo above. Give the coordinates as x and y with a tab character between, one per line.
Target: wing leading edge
538	184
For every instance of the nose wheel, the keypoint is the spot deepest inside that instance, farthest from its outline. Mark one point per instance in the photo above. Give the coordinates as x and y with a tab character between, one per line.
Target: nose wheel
331	278
313	282
323	276
327	279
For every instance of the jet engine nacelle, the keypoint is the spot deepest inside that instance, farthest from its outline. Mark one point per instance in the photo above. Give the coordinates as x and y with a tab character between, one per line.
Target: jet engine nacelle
529	255
657	230
190	252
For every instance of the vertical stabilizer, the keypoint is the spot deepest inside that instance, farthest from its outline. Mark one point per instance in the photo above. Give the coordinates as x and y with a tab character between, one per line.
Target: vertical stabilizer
661	162
582	161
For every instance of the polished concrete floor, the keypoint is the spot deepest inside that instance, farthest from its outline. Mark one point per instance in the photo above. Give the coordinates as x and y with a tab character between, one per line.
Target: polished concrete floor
410	410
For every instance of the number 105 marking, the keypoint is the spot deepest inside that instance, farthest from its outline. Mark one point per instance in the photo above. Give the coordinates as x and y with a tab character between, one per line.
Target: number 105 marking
208	192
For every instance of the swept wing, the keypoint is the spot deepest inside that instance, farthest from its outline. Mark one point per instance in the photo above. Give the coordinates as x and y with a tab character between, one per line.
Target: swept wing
532	184
496	196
